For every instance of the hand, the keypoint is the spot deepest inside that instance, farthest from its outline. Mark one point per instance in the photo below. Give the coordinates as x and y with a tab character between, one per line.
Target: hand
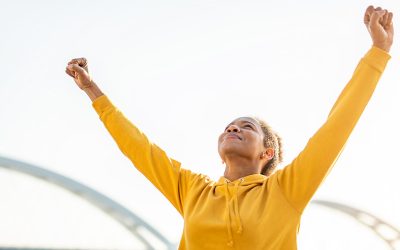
380	27
78	69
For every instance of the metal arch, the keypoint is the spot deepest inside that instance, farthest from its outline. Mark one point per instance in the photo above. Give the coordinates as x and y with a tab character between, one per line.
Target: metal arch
115	210
385	231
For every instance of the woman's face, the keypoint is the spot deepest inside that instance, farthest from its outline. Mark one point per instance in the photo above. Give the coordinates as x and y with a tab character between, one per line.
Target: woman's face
243	137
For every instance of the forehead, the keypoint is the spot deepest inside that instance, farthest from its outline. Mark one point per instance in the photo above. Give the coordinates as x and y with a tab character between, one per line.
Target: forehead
246	120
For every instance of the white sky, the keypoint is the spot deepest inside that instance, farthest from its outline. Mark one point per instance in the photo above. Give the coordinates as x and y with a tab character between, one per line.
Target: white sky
182	70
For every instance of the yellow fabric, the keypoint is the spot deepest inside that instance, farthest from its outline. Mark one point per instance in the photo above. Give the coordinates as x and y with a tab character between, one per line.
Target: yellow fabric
254	212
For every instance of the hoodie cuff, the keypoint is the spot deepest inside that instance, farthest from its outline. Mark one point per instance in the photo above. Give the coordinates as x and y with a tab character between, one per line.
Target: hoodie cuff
377	58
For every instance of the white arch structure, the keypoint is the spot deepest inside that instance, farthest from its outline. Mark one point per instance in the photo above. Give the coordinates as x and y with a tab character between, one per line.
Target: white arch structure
132	222
385	231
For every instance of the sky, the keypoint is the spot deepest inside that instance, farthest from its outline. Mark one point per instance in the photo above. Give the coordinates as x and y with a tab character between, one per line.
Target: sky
181	71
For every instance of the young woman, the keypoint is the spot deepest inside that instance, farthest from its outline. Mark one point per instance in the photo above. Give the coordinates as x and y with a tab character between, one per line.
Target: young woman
250	206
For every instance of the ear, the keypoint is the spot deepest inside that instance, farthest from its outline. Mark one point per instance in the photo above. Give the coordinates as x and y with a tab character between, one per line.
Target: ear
268	154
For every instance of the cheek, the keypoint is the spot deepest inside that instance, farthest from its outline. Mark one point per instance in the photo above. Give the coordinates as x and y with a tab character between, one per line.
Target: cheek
257	143
260	141
262	146
220	140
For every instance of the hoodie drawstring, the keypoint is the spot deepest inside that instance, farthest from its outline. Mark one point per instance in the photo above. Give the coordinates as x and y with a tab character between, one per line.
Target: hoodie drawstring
228	221
235	211
236	203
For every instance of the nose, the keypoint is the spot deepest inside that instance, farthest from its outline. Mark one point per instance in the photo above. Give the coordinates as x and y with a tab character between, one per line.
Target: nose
233	128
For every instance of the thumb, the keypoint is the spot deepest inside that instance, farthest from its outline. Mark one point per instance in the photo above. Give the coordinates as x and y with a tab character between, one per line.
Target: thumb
76	69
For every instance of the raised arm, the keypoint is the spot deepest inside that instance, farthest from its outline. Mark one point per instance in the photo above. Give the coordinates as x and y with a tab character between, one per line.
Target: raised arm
301	178
164	172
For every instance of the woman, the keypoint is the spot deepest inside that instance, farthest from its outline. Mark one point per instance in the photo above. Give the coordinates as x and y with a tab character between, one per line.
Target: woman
251	206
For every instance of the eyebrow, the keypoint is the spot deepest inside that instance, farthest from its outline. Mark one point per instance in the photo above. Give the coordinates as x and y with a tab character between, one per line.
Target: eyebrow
242	121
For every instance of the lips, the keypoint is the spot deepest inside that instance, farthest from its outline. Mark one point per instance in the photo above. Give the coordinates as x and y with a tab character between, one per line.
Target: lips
232	136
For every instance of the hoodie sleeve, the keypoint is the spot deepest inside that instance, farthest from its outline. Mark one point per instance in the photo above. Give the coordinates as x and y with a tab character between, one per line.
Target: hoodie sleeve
165	173
301	178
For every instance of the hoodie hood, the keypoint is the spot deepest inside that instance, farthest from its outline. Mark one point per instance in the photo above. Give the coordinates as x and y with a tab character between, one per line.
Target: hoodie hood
245	181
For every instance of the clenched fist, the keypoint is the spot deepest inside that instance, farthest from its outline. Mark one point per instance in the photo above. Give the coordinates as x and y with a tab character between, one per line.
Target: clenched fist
380	26
78	69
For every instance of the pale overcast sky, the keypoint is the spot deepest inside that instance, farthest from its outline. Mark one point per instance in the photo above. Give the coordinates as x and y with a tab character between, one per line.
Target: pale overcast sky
182	70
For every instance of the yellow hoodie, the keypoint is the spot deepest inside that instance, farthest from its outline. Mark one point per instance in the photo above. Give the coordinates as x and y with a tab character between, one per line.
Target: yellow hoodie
254	212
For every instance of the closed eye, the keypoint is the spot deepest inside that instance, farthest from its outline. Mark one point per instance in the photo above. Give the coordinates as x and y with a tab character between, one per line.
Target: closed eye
248	126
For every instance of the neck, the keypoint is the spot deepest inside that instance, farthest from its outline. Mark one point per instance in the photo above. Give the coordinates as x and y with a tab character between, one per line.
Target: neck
237	168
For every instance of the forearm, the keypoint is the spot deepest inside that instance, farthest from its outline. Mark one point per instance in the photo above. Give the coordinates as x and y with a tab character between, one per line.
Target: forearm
164	172
93	91
358	91
330	139
301	178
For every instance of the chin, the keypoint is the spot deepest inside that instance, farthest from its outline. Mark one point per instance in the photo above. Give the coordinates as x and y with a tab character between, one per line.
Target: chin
230	149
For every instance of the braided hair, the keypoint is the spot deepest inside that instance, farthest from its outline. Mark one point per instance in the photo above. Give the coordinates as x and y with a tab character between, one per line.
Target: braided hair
274	141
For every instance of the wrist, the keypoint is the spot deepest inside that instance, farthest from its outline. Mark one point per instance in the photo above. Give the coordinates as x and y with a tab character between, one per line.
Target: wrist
381	46
93	91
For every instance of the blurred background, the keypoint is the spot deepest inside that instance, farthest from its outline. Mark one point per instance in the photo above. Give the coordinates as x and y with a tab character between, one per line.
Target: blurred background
181	71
